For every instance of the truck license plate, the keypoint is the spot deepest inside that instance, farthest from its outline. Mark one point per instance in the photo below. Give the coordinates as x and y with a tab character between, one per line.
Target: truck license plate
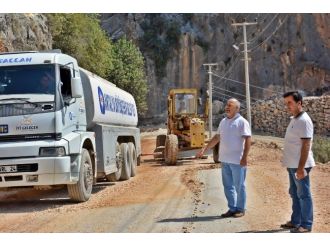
7	169
3	129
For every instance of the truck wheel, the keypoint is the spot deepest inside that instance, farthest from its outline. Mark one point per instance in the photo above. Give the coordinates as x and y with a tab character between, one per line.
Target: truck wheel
82	190
171	149
114	177
132	158
126	169
160	140
216	153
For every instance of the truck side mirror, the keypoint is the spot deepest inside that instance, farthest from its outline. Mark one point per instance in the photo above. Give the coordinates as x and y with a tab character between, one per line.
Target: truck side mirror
76	87
199	101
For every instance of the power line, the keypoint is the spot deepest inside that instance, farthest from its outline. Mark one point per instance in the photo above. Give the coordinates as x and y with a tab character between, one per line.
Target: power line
264	29
254	29
228	79
234	92
230	69
227	96
243	98
265	40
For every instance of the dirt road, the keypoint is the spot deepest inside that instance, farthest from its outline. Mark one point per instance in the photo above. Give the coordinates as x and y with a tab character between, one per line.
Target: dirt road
183	198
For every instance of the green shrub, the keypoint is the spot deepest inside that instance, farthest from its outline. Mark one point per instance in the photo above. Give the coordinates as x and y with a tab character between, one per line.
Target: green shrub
81	36
128	72
321	149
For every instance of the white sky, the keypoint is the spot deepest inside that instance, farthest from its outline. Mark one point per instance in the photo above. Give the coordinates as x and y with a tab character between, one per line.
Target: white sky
166	6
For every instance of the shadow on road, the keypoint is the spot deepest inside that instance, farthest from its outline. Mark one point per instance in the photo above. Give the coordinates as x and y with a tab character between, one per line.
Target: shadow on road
192	219
27	200
268	231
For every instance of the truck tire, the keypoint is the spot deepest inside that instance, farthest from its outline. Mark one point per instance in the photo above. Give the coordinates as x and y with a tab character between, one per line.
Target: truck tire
171	149
82	190
126	169
160	140
114	177
132	158
216	153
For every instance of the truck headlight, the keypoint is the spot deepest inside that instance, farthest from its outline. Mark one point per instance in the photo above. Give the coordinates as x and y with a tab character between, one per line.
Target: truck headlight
52	151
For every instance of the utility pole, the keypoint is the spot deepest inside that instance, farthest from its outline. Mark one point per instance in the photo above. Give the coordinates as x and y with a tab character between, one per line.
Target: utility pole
246	66
210	96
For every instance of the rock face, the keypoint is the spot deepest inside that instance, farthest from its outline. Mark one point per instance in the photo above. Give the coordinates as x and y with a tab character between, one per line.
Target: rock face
288	51
24	32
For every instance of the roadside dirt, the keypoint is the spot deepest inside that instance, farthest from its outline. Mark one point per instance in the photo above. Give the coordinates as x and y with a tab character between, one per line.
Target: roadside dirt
269	203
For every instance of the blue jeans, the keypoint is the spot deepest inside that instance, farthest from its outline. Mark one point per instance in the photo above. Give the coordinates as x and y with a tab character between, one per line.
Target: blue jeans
302	204
233	180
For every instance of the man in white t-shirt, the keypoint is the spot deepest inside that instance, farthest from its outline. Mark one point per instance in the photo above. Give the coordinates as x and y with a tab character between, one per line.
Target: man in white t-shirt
234	135
298	159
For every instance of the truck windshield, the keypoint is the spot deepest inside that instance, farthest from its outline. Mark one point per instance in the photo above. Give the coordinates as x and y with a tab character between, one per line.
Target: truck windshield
185	103
27	79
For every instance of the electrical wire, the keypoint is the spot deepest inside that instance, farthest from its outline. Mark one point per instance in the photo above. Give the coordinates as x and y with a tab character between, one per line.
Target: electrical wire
215	87
264	29
265	40
251	85
228	97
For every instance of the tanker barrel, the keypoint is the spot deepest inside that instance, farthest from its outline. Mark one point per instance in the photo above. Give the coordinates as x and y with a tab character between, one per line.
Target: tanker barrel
106	103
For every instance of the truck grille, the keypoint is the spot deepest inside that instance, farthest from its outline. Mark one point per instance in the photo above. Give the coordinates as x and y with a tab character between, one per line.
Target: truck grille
33	137
27	167
17	109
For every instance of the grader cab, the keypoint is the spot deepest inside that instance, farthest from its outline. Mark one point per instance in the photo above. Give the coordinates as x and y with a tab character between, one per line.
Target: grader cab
185	127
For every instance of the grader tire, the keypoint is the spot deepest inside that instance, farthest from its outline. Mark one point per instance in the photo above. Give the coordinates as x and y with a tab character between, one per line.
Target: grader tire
114	177
216	153
160	140
126	169
82	190
171	149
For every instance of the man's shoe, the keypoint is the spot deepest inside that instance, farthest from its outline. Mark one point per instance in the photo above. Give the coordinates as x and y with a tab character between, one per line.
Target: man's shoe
228	214
300	230
239	214
288	225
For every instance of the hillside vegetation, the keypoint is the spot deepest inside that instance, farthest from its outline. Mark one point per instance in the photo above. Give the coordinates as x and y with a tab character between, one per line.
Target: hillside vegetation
121	62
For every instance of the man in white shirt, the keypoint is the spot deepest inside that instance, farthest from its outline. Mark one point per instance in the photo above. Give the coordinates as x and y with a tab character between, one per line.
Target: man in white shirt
234	135
298	159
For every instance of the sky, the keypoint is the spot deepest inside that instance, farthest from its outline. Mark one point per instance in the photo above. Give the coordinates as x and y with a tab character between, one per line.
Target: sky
166	6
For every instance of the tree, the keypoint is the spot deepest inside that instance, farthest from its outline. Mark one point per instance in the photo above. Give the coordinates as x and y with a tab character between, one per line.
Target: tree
81	36
128	72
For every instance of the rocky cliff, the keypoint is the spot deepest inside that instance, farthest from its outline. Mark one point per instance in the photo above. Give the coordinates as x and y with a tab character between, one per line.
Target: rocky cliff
24	32
288	51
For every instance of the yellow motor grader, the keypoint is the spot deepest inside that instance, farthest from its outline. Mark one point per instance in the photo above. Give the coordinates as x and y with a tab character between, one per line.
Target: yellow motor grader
185	127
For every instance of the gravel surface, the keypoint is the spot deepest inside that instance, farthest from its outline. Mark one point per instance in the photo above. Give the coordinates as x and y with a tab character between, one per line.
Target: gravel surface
183	198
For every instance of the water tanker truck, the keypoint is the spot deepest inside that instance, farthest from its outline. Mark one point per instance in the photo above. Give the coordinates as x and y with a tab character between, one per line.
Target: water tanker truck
63	125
